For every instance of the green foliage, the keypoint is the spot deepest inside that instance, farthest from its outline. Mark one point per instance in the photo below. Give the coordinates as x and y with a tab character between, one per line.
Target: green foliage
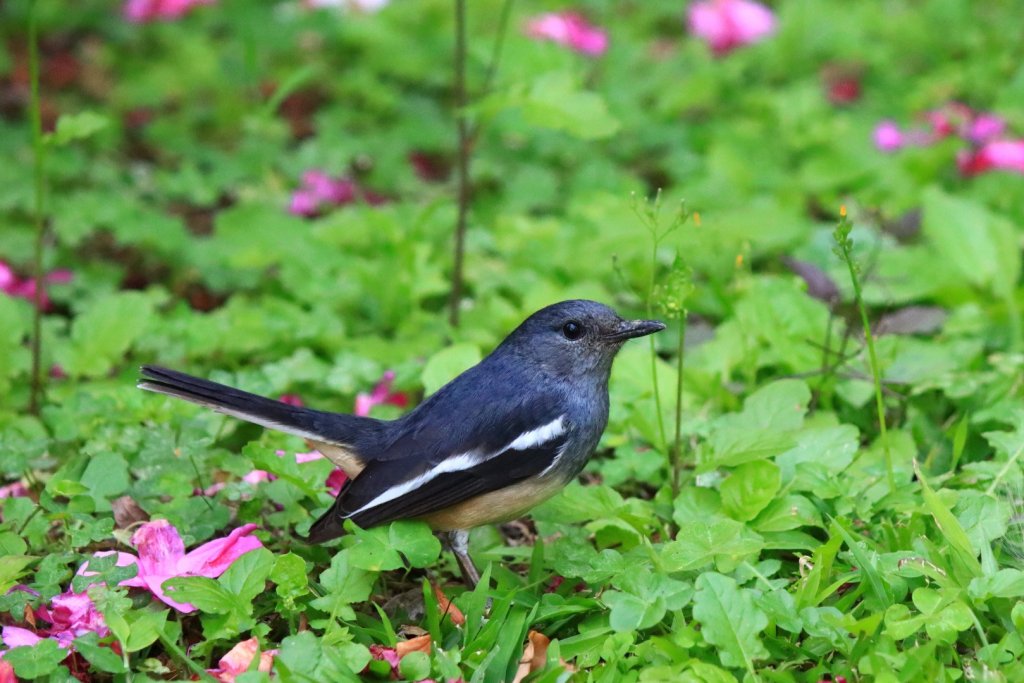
841	494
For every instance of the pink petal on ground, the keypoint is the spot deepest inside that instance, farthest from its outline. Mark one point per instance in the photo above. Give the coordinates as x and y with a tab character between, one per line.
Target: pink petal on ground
1002	155
15	490
727	24
213	558
292	400
72	614
385	654
258	477
571	30
308	457
984	128
7	672
888	137
303	203
160	548
335	480
239	658
15	636
7	277
61	276
123	560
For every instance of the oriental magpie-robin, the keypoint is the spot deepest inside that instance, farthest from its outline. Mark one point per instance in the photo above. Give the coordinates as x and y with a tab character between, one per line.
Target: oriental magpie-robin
497	440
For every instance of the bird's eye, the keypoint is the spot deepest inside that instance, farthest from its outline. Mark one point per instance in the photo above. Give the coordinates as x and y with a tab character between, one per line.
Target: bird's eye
572	330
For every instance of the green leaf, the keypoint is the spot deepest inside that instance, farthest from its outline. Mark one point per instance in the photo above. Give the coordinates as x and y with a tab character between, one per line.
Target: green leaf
291	577
980	245
632	613
247	576
414	666
373	551
720	539
103	333
789	512
73	127
206	594
730	620
36	661
1005	583
749	489
959	543
448	363
105	476
100	656
11	568
345	584
416	541
145	626
555	102
764	428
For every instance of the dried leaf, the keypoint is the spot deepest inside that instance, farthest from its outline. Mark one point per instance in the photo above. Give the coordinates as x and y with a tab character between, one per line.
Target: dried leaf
819	284
127	512
912	320
421	644
448	608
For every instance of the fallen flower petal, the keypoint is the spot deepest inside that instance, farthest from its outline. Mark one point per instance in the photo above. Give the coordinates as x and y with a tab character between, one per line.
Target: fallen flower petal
571	30
141	11
72	614
447	607
380	395
385	654
239	658
15	636
418	644
888	137
998	155
15	490
728	24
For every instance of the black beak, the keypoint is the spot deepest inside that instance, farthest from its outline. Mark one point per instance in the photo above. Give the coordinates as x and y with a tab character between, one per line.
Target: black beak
628	329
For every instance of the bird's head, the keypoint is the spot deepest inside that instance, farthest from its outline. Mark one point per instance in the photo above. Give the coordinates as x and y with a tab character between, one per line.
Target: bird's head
576	337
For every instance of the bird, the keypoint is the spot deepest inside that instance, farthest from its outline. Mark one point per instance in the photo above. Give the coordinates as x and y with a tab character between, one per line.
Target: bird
500	438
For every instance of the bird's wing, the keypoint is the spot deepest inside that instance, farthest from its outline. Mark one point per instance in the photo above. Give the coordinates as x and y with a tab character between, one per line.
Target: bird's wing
390	489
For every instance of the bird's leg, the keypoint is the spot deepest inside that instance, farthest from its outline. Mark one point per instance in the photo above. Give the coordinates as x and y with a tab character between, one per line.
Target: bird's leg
458	542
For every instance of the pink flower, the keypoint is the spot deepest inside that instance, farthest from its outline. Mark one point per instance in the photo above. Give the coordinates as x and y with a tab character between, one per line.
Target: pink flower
162	556
292	400
14	286
335	480
571	30
888	136
380	395
385	654
320	190
727	24
141	11
15	490
997	155
7	672
367	6
70	615
239	658
984	128
15	636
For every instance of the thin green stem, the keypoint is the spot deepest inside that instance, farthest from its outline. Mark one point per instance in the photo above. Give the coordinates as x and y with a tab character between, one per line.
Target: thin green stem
39	169
499	44
677	442
179	654
650	339
462	180
845	245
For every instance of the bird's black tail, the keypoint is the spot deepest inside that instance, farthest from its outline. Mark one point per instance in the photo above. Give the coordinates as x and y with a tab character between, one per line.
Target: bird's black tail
355	433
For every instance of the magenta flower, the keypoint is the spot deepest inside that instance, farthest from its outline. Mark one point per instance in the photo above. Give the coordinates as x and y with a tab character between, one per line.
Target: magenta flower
70	615
15	490
320	190
984	128
380	395
141	11
997	155
162	556
888	136
335	480
239	658
571	30
12	285
727	24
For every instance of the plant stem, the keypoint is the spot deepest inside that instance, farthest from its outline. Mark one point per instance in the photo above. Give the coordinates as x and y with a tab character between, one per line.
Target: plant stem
677	444
650	339
463	160
499	44
39	157
844	250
